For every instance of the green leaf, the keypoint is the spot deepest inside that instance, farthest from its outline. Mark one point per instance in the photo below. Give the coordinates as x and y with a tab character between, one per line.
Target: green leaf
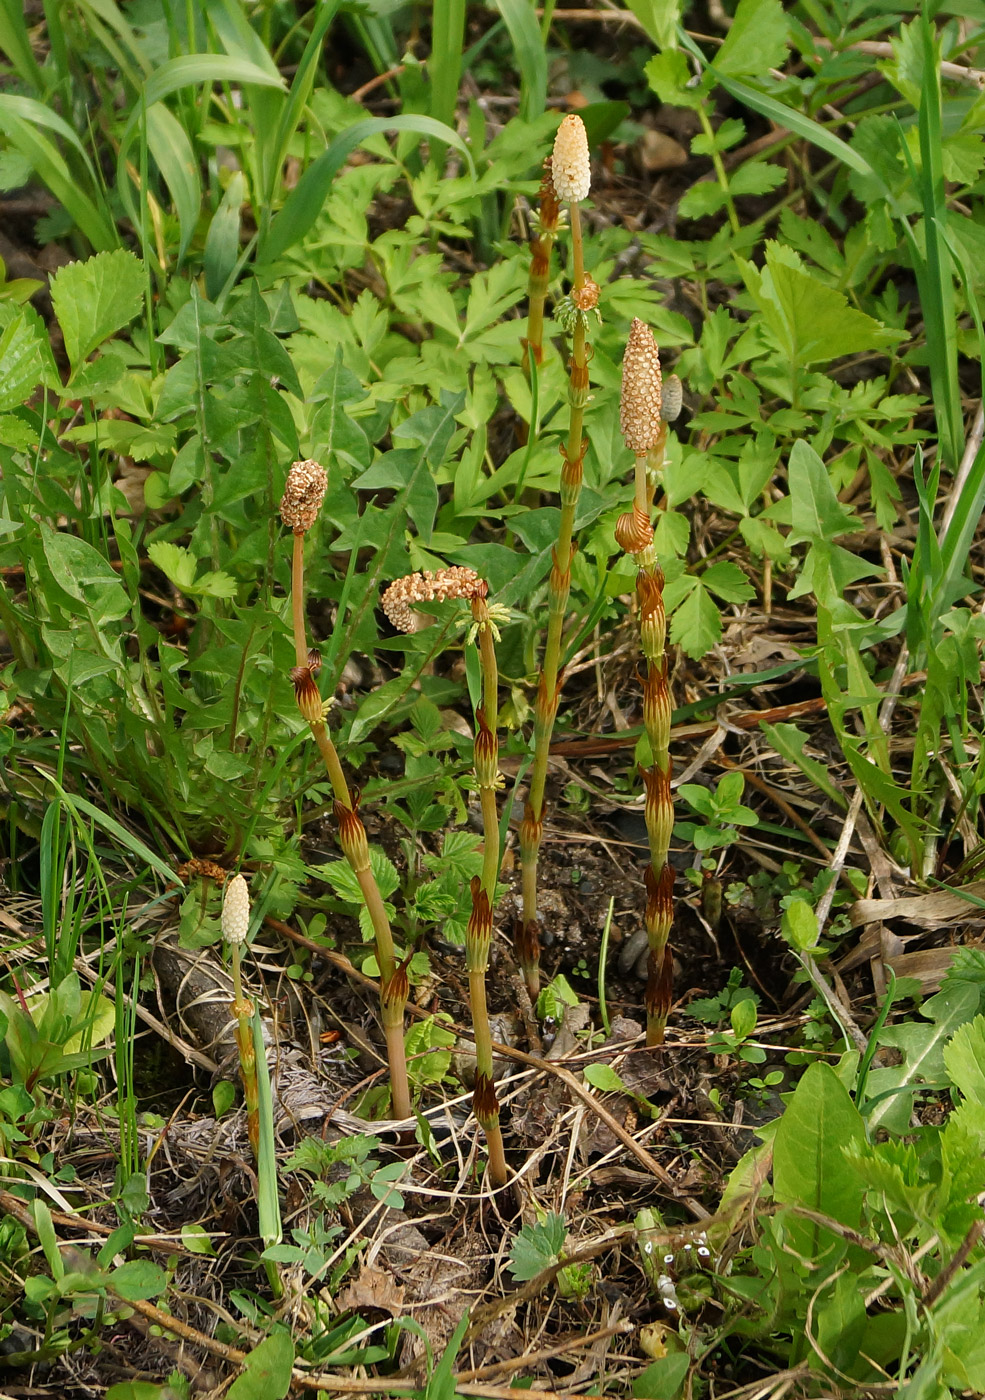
696	624
536	1247
605	1078
799	925
659	19
815	511
810	320
922	1043
756	40
266	1373
95	298
669	74
964	1060
743	1018
82	573
789	742
809	1166
663	1379
197	1240
137	1280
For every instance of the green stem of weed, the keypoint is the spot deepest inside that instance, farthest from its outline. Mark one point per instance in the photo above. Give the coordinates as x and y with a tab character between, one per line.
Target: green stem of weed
719	165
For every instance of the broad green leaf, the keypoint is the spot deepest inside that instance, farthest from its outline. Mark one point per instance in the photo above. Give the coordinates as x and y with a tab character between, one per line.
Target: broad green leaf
809	1167
96	1020
659	19
815	511
266	1373
138	1279
605	1078
21	362
964	1059
922	1042
663	1379
537	1246
83	574
94	298
669	74
800	925
756	40
810	321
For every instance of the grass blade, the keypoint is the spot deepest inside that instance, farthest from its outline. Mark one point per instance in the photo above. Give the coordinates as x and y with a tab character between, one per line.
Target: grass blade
172	151
20	120
304	203
445	65
520	18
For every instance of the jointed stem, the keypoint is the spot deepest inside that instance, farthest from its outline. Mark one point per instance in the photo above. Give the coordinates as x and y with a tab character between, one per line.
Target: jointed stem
479	934
559	587
352	838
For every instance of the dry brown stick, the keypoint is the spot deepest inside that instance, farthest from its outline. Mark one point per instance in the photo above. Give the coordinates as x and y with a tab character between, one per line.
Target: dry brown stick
534	1358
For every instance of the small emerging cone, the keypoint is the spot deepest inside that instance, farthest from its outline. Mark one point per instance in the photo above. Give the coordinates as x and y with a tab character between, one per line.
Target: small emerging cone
639	406
571	170
303	495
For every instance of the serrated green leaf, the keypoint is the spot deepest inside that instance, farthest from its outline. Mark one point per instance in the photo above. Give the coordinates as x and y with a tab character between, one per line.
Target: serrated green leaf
756	40
536	1247
811	321
669	74
964	1060
696	625
177	564
95	298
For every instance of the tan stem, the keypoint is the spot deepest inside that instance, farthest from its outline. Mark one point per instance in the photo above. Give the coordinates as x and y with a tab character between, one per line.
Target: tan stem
297	602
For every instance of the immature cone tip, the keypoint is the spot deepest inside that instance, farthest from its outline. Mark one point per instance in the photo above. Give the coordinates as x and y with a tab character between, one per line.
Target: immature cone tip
236	911
639	407
304	492
571	170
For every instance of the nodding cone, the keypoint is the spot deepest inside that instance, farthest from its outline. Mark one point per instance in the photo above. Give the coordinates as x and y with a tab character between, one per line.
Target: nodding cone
455	582
639	406
303	495
236	911
633	531
571	169
306	692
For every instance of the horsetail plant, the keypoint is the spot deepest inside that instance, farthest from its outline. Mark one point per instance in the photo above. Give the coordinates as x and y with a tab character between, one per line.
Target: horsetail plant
235	923
571	178
398	604
299	507
645	433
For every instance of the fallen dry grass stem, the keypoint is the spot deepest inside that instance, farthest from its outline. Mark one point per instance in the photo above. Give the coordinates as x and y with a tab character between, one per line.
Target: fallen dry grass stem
534	1358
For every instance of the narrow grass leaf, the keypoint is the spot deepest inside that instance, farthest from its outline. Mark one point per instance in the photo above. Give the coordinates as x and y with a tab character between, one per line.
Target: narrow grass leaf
300	91
172	151
520	18
304	203
15	42
20	121
936	283
445	64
